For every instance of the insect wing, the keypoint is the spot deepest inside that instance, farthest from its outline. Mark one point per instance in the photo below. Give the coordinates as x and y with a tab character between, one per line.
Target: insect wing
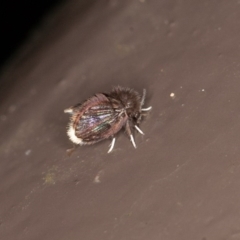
99	122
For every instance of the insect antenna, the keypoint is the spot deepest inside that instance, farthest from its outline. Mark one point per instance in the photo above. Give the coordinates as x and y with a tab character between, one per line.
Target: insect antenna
143	97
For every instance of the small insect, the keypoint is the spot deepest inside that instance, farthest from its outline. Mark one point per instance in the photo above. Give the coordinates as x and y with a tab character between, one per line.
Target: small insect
105	114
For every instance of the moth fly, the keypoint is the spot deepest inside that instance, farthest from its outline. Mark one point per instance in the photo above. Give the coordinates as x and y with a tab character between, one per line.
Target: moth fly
105	114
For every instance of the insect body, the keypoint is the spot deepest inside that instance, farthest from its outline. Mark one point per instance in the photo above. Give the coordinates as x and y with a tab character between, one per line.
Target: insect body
104	115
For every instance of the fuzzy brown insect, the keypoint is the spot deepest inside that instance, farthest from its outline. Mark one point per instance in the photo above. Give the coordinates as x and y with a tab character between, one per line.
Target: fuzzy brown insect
105	114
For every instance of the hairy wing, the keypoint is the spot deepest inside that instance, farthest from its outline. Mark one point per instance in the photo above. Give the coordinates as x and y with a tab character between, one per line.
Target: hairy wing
99	122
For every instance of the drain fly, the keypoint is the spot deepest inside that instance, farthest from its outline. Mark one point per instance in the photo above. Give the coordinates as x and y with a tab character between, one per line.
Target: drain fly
105	114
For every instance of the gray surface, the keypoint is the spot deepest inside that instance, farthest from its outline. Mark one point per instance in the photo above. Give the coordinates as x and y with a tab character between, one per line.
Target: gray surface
183	180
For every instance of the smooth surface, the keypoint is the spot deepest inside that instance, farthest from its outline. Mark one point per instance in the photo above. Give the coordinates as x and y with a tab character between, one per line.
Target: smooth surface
183	180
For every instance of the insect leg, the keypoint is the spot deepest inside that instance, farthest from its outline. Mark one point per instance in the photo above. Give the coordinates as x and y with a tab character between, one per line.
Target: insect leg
139	130
69	110
112	145
129	132
143	97
146	109
71	150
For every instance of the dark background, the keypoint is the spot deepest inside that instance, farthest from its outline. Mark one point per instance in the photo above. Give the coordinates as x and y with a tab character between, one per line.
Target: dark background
18	19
